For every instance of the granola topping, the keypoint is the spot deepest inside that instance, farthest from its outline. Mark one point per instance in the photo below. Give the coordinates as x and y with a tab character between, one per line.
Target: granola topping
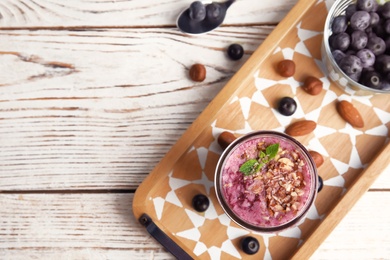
282	180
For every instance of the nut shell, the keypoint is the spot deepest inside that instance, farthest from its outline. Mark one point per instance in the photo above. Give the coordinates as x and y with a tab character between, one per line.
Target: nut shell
198	72
300	128
312	85
350	114
286	68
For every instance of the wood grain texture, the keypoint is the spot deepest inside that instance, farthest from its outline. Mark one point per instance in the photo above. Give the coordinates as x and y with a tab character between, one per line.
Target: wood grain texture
127	13
73	226
102	226
103	120
92	95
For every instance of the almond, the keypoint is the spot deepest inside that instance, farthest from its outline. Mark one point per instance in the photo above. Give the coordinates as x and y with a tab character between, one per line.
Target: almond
225	138
317	158
350	114
299	128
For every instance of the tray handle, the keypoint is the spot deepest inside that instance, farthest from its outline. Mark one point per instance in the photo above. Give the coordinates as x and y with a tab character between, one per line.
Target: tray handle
164	240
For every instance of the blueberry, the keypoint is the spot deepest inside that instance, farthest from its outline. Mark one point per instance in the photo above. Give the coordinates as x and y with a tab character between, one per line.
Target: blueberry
339	24
387	42
386	26
374	18
331	40
350	10
385	10
367	57
369	31
371	68
213	11
385	85
200	202
355	76
250	245
197	11
371	79
359	40
350	52
338	55
320	184
360	20
235	51
377	45
340	41
367	5
352	66
382	64
287	106
378	30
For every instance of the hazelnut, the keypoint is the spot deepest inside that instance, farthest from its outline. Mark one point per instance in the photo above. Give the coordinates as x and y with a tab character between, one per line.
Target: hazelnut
198	72
312	85
225	138
286	68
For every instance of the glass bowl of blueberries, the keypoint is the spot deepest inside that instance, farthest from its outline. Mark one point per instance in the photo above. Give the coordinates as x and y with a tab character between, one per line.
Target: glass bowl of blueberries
356	46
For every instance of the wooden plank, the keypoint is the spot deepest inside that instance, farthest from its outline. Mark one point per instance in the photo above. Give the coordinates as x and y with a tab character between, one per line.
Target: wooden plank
80	109
102	226
362	234
88	253
73	226
127	13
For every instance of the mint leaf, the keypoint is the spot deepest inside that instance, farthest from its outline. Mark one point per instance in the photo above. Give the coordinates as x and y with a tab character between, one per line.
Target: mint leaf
262	154
258	167
272	150
249	167
253	165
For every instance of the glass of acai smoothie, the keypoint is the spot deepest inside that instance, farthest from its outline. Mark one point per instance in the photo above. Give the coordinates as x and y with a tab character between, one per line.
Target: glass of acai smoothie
266	181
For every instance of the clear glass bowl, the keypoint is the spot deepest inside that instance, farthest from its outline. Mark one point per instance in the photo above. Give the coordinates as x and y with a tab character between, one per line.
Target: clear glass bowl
334	72
256	215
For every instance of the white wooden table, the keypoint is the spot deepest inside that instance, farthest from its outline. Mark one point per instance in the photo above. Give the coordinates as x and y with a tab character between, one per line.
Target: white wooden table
92	95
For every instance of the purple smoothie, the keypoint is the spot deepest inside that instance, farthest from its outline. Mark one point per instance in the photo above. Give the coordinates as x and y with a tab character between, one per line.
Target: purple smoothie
273	195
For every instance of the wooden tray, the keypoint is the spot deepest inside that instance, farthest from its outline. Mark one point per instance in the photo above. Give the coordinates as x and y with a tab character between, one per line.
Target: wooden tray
353	157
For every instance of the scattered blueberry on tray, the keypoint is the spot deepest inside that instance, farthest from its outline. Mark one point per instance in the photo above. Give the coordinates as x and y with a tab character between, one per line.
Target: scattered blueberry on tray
200	202
250	245
320	183
287	106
